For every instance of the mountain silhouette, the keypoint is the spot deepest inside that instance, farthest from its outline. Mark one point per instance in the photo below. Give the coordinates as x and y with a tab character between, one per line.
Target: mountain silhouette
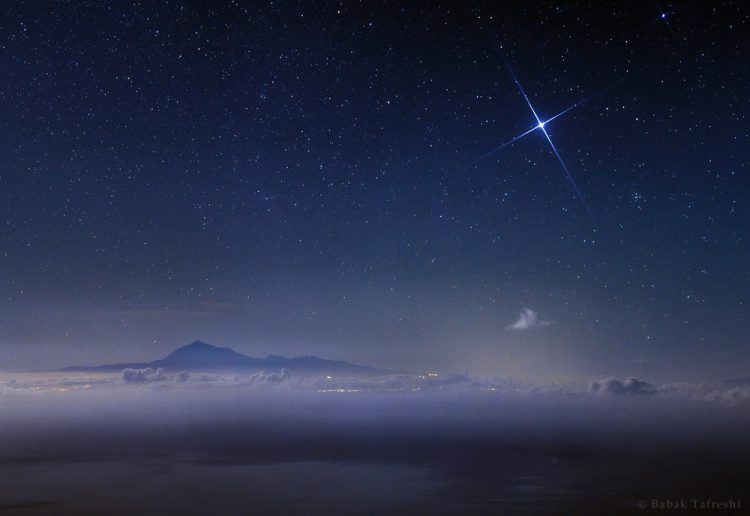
199	356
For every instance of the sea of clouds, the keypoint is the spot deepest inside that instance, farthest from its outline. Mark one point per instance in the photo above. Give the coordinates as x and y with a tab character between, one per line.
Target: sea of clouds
286	383
452	425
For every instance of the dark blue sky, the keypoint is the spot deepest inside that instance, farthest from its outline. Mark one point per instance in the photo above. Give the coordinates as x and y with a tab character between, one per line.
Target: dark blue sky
291	179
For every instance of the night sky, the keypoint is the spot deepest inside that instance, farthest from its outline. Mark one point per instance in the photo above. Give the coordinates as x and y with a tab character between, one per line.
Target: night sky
301	178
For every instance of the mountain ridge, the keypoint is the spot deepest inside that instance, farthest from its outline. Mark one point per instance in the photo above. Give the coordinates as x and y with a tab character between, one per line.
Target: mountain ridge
200	356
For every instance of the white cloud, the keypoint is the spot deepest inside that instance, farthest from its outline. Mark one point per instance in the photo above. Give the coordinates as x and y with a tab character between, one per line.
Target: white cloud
733	396
143	375
263	377
527	320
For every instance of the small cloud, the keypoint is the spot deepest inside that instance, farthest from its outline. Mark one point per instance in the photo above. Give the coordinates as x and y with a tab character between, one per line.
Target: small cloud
733	396
631	387
143	375
263	377
528	319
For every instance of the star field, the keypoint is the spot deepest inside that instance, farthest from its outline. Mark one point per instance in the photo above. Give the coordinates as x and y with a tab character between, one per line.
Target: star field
291	178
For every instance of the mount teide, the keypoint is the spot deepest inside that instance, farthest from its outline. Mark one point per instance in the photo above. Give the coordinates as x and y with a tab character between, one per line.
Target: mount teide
199	356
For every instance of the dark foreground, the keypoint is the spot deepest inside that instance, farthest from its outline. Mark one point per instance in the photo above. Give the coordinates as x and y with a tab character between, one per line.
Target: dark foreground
151	451
298	470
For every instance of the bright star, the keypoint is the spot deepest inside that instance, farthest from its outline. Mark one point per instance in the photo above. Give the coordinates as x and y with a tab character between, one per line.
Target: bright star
663	14
541	126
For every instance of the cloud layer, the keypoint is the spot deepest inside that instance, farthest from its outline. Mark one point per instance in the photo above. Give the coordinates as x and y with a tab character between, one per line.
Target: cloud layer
410	385
150	375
